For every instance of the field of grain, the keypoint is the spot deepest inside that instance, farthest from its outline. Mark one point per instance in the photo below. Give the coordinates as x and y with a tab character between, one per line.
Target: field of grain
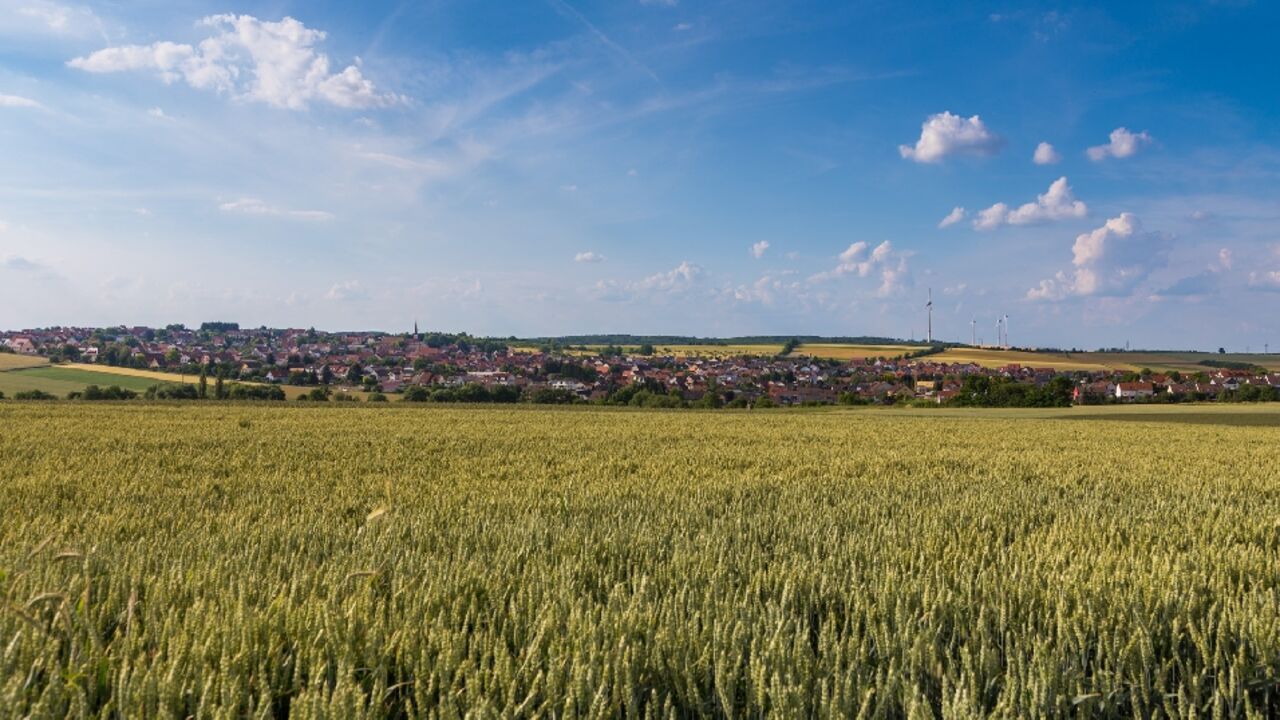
837	351
13	361
1124	361
359	561
1063	362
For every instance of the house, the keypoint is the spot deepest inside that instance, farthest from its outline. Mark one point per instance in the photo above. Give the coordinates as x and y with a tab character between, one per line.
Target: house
1135	390
277	375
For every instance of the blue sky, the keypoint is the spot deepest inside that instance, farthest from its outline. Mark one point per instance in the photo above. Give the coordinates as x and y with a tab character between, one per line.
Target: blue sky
709	168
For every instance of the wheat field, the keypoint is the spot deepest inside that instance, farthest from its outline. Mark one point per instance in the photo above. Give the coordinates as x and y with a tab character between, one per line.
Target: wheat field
167	560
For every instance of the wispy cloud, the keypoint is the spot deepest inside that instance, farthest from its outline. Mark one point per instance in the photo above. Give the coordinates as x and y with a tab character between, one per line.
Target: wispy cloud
256	207
17	101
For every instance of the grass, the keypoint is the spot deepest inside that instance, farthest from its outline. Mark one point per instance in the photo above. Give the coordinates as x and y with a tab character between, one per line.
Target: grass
222	560
14	361
59	380
147	378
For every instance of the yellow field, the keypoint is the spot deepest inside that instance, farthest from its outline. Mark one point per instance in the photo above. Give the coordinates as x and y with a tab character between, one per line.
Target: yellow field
1094	361
11	361
992	357
838	351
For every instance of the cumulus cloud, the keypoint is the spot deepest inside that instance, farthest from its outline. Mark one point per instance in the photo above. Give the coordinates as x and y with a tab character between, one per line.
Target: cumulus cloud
1226	258
956	215
17	101
679	279
1057	203
1123	144
346	290
884	263
588	257
945	134
1045	154
758	249
1108	261
254	206
1268	280
270	62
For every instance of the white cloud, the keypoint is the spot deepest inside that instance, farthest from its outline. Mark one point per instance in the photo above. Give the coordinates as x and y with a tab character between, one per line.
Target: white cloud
17	101
346	290
1108	261
250	59
883	262
956	215
758	249
1045	154
254	206
1225	258
45	17
1201	215
1057	203
680	277
588	257
945	134
1123	144
159	114
678	280
569	188
1265	280
681	27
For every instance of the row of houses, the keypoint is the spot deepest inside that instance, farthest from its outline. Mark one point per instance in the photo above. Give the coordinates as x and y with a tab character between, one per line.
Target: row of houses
391	363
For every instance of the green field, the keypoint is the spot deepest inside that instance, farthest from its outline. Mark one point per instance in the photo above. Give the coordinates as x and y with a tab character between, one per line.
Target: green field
213	560
60	380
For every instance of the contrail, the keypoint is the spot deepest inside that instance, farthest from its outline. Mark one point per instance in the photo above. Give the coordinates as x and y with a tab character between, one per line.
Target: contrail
568	10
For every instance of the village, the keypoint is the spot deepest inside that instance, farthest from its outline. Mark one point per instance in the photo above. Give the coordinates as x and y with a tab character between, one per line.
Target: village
425	366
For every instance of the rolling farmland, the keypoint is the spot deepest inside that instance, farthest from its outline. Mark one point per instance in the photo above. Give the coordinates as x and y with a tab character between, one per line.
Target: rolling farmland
12	361
68	377
175	560
1066	361
59	380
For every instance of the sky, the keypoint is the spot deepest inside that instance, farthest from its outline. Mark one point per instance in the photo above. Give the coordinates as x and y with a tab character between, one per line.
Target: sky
1103	174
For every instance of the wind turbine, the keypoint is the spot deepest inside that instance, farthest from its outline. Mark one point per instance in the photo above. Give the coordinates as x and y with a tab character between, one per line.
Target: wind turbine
1006	330
929	307
973	332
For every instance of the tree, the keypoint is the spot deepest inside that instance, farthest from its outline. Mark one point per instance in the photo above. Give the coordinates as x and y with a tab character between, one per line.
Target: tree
646	349
204	384
326	375
219	392
354	373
